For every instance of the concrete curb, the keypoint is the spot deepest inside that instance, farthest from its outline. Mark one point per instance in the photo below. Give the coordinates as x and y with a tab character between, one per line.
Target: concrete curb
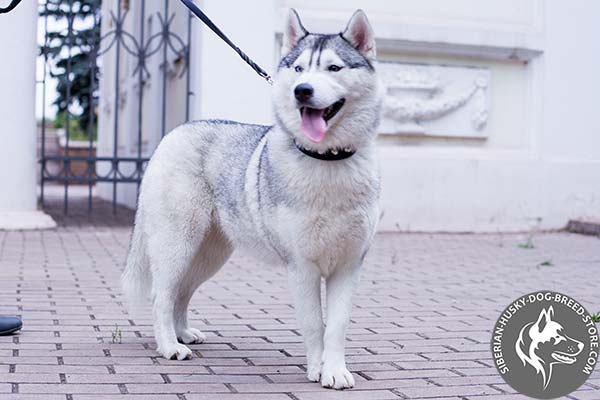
25	220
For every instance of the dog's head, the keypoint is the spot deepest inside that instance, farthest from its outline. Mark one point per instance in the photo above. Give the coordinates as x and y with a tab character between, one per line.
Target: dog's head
326	92
544	343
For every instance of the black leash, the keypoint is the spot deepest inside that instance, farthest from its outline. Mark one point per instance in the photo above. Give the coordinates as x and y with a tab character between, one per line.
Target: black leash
10	7
194	8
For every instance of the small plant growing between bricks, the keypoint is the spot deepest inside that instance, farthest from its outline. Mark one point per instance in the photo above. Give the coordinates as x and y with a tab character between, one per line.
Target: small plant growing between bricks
117	335
547	263
529	241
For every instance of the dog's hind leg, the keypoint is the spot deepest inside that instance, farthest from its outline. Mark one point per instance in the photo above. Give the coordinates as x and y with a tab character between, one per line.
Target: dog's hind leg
174	236
185	333
212	254
170	262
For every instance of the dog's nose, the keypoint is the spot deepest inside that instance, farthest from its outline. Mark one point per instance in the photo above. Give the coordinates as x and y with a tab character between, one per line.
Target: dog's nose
303	92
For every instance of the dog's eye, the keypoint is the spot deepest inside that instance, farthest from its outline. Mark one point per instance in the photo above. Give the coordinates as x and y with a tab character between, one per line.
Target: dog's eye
334	68
558	339
298	68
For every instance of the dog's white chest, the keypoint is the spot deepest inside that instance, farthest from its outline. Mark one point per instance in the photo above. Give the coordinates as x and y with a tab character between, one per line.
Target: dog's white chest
327	238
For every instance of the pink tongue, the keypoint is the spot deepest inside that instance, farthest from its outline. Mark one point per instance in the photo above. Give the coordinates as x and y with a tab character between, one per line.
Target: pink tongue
313	124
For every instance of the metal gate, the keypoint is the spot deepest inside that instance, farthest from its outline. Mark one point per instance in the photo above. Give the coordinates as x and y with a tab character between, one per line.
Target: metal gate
76	37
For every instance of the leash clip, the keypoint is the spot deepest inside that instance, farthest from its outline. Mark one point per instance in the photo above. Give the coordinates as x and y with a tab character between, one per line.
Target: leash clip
204	18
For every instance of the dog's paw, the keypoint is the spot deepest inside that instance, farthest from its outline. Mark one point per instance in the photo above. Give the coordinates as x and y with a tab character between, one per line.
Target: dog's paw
314	373
175	351
191	335
336	377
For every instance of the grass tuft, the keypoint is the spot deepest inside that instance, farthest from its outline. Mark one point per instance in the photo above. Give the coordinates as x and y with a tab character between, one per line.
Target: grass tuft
547	263
117	335
528	244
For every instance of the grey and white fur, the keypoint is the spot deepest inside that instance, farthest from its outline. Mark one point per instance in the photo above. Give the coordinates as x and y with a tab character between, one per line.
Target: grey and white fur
212	186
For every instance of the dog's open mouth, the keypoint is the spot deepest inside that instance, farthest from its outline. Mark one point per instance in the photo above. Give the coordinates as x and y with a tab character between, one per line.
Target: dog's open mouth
314	120
563	358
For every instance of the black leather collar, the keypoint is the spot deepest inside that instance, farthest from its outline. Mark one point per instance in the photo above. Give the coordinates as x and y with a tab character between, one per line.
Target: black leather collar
329	155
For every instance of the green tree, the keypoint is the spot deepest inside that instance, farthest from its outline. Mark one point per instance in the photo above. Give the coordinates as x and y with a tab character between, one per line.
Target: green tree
71	46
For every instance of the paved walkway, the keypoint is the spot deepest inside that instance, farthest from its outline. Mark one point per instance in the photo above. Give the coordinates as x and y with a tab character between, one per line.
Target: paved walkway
420	327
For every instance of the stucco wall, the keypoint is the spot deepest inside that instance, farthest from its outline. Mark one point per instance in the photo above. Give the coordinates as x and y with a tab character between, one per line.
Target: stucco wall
536	162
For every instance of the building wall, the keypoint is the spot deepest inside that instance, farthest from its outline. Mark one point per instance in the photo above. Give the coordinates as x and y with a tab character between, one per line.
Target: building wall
518	149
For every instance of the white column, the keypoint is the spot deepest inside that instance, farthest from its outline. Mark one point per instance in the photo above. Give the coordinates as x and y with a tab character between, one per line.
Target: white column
18	167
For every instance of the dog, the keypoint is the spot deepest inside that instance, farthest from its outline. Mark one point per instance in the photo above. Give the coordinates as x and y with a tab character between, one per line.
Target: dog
544	343
303	192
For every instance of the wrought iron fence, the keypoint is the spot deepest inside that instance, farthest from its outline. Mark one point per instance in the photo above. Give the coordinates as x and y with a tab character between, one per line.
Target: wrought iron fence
81	164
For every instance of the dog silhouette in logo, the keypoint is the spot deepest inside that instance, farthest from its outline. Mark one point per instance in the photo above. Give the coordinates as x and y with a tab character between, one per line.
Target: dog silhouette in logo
544	343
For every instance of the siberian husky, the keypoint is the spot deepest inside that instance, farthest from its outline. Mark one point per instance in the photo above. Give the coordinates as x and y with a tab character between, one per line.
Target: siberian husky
303	192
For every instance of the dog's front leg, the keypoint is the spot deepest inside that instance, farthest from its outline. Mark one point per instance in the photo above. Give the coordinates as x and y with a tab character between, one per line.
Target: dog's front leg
305	285
340	290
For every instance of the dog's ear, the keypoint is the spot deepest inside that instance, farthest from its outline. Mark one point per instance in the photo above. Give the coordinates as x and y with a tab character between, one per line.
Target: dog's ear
544	318
292	32
360	34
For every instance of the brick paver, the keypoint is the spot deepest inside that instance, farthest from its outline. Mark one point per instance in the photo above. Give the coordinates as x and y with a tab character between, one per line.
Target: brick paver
420	326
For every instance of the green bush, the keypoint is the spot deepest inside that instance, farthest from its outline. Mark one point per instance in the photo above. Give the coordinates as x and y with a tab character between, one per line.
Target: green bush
75	131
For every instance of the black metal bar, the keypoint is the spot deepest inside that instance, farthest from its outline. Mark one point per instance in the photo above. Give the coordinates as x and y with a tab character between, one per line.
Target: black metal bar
91	165
43	152
188	59
141	88
113	177
96	158
67	166
165	39
84	180
116	104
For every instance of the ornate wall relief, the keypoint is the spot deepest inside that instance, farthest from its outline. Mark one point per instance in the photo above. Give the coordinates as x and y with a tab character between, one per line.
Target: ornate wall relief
435	100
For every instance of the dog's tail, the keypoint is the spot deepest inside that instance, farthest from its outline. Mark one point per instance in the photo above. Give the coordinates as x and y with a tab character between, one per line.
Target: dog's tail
137	277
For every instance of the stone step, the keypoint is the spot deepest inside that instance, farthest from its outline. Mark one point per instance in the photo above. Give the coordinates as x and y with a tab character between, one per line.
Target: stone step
585	226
